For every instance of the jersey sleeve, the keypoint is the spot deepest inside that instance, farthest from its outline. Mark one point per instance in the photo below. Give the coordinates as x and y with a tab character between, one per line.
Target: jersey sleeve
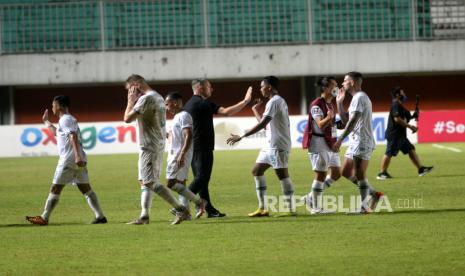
186	121
141	105
271	109
69	125
317	113
356	105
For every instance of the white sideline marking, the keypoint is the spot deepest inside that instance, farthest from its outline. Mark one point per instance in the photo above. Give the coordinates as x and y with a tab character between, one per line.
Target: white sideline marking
447	148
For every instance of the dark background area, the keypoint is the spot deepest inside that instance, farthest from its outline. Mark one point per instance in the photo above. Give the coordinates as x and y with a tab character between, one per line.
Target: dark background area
107	103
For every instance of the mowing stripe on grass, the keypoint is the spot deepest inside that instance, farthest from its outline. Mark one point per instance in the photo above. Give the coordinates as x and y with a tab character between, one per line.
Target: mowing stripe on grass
447	148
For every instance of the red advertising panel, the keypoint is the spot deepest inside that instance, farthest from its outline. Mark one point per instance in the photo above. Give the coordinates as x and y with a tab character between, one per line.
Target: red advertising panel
441	126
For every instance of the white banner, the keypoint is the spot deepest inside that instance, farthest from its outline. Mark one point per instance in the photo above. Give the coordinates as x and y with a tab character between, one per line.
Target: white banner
118	137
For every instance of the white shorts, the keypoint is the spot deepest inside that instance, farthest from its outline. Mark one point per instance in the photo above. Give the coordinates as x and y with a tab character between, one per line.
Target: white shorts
70	174
150	164
360	152
321	161
277	159
172	170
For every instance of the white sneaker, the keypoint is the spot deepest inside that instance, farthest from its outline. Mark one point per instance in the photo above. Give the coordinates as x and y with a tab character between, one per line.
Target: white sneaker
200	208
362	211
182	215
308	200
319	211
140	221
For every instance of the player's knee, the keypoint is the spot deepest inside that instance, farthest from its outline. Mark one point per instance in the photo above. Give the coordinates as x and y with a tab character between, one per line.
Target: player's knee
258	170
157	187
148	185
255	172
56	189
346	173
282	173
335	175
171	183
84	188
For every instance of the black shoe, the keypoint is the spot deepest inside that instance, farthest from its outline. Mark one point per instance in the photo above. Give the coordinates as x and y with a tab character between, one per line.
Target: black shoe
101	220
383	176
216	214
424	170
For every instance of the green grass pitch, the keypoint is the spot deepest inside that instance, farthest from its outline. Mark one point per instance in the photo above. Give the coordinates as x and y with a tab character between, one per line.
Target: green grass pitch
428	238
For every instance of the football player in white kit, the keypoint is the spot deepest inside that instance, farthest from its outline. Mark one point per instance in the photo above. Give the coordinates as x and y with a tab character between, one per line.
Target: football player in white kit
361	140
276	153
180	153
72	165
148	108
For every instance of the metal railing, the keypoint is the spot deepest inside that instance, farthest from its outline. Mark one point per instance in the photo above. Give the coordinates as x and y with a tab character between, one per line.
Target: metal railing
118	25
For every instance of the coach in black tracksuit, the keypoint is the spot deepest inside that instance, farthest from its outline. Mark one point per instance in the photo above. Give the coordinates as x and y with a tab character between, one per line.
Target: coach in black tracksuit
202	111
396	135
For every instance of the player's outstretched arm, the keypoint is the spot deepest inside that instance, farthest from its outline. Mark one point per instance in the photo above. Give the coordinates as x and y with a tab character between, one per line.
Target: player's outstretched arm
261	125
349	127
233	109
49	125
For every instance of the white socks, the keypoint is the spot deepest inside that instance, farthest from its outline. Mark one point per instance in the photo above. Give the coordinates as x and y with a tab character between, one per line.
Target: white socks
364	189
260	185
317	194
288	191
92	200
146	196
185	194
328	182
164	193
50	204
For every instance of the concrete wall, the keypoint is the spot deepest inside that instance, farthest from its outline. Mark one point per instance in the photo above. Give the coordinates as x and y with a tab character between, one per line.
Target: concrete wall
231	63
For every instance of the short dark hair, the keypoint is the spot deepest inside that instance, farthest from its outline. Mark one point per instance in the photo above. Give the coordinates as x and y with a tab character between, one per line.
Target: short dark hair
198	81
356	76
271	80
135	78
62	100
324	82
395	92
175	95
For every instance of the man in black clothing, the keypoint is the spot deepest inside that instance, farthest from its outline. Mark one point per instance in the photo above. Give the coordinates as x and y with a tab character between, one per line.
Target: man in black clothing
202	111
396	135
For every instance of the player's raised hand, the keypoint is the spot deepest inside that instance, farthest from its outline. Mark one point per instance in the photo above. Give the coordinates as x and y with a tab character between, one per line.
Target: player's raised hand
331	113
257	103
45	116
342	95
233	139
133	94
413	128
248	95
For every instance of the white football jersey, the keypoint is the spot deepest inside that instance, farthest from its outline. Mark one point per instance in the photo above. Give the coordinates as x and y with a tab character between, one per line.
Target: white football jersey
278	130
151	121
67	125
362	134
180	121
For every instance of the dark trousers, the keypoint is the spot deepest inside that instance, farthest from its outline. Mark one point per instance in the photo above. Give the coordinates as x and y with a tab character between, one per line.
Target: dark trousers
202	164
